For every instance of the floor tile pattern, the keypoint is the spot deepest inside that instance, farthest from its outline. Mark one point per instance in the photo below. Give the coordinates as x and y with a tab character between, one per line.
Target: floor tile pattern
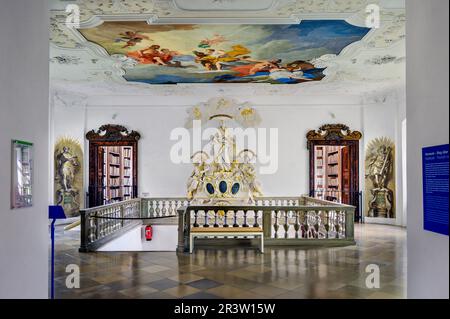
239	273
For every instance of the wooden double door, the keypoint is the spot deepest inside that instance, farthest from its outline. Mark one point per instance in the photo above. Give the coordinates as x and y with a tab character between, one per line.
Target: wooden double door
334	172
113	165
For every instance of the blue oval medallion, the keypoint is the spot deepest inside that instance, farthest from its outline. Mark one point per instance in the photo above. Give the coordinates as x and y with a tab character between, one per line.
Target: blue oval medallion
210	188
235	189
223	187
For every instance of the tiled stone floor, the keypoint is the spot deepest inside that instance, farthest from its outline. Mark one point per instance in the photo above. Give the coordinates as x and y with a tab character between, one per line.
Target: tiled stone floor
240	273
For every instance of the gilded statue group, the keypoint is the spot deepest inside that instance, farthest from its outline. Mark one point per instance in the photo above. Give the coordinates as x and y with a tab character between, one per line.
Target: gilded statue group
220	161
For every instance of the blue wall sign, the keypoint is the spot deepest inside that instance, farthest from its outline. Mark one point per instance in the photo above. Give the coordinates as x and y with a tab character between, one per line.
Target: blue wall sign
435	188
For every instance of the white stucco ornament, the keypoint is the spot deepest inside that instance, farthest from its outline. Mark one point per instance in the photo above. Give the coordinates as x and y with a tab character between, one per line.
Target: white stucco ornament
242	113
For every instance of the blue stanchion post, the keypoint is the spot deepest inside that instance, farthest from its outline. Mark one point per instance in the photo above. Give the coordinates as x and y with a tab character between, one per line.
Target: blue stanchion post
54	213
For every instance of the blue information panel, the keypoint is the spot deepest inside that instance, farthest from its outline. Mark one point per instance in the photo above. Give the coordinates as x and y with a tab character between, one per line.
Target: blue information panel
435	188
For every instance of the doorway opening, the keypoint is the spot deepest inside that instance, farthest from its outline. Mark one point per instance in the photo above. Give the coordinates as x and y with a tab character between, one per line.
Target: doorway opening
113	165
334	165
117	173
332	173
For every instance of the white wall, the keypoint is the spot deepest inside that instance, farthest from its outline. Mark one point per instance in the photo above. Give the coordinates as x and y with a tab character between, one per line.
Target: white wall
165	238
24	234
158	176
428	125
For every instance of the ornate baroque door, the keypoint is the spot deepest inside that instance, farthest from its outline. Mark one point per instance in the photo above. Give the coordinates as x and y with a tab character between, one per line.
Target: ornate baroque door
339	135
112	136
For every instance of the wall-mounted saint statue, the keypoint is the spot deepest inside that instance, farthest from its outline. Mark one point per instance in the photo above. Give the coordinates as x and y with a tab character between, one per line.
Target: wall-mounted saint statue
380	178
69	176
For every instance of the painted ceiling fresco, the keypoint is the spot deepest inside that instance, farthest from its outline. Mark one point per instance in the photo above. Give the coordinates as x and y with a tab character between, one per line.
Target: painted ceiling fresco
276	54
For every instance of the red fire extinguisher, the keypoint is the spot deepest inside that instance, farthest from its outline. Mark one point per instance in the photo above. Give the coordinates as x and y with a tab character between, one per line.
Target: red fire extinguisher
148	232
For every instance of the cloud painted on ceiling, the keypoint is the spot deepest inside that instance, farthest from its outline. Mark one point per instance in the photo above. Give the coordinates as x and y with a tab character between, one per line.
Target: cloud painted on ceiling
171	54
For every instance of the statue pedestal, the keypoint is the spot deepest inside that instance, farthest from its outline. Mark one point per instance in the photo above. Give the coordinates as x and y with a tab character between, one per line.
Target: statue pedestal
381	203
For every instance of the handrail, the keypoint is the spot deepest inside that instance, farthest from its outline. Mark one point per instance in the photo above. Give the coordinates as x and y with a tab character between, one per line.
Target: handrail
321	222
96	232
118	204
99	225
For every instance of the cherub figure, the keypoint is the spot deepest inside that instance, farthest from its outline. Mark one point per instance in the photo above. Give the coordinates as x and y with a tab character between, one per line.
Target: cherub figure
207	43
131	38
248	172
198	175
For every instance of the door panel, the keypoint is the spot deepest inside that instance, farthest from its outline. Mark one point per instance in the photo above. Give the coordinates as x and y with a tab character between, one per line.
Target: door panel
346	175
349	171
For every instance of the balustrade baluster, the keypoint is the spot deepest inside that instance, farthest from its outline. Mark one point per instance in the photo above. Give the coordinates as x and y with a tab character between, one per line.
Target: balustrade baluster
256	219
225	219
343	227
303	224
310	222
317	224
92	229
196	219
245	219
163	208
297	224
169	207
123	214
320	225
101	225
154	209
175	207
159	209
115	221
109	224
276	227
235	219
337	224
206	225
313	224
286	224
216	219
116	214
112	221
